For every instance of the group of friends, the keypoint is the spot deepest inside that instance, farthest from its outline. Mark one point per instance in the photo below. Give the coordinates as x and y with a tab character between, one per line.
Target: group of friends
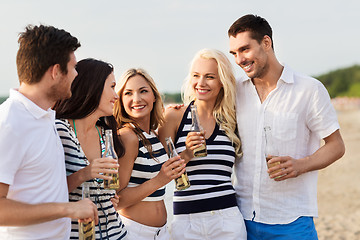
52	142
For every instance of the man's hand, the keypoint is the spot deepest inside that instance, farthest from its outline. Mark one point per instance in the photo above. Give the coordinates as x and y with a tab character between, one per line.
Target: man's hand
288	168
84	210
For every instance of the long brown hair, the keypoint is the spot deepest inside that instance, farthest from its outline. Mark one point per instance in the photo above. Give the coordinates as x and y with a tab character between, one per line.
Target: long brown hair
156	115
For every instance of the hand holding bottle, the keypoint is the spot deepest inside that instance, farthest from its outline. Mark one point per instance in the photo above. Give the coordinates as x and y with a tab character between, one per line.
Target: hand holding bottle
113	182
182	182
84	210
271	153
200	150
86	228
171	169
194	140
100	167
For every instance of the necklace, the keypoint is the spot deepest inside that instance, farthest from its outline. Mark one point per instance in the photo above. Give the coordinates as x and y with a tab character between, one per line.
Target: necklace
100	137
97	181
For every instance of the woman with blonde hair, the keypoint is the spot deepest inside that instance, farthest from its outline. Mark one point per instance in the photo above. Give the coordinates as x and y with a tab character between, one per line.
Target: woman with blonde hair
145	168
208	208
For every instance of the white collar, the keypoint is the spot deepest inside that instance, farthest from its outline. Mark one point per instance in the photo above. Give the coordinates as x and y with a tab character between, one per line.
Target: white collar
34	109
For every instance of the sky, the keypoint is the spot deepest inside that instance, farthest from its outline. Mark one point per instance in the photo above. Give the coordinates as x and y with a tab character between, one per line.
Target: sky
162	36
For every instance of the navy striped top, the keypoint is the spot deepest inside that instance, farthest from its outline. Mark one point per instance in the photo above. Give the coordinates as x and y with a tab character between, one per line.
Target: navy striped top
146	167
210	176
75	159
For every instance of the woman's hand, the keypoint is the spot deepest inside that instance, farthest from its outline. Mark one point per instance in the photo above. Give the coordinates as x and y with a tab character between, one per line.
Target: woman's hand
99	166
174	106
193	141
115	201
171	169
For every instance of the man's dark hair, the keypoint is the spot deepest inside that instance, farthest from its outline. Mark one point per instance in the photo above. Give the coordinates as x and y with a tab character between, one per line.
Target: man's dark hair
40	48
256	25
87	89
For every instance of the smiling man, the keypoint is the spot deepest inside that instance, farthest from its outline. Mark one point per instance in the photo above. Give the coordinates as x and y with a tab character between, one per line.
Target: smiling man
279	202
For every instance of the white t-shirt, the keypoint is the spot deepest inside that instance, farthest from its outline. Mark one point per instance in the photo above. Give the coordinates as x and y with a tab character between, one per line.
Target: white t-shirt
300	114
32	164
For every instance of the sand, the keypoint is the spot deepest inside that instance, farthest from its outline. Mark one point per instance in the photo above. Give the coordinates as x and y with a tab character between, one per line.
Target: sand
339	186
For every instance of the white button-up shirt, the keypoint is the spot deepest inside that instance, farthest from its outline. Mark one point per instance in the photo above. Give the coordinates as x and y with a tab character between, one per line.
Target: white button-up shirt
300	114
32	164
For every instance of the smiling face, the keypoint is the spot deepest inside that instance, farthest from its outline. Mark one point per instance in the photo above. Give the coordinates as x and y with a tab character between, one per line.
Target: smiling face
108	96
249	54
205	79
138	99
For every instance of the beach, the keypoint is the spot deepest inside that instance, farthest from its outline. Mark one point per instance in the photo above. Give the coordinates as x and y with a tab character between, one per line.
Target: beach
338	187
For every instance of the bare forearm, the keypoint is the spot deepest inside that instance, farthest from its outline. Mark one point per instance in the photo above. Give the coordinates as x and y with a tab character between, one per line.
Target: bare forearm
76	179
332	150
13	213
132	195
187	155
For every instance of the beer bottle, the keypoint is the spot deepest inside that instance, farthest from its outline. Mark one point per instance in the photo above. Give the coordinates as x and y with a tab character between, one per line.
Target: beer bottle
181	182
86	230
110	152
196	127
271	150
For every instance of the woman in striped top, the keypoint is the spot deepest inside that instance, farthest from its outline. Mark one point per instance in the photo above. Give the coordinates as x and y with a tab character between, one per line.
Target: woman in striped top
145	168
208	208
81	121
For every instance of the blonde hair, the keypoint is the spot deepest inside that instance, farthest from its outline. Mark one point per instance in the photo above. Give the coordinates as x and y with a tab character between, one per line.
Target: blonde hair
156	115
224	109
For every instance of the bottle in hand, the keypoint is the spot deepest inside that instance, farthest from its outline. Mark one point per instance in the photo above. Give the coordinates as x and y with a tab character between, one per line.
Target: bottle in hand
196	127
86	230
270	150
110	152
181	182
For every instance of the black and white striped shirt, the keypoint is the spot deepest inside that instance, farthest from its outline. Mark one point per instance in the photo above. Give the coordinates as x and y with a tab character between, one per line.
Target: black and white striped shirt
210	176
146	167
75	159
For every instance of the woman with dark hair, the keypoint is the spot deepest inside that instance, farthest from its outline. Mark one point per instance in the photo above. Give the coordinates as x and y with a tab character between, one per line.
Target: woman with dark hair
81	122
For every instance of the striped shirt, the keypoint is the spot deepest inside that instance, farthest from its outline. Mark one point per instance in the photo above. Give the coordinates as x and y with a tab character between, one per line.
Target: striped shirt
75	159
146	167
210	176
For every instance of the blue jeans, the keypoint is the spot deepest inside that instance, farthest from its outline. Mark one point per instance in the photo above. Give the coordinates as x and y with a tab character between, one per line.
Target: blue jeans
302	228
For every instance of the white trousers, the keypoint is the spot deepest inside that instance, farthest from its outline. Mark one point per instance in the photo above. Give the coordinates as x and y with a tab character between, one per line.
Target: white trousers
138	231
226	224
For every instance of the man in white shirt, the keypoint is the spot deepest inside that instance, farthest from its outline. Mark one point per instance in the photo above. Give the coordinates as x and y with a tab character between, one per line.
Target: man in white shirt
279	202
33	189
